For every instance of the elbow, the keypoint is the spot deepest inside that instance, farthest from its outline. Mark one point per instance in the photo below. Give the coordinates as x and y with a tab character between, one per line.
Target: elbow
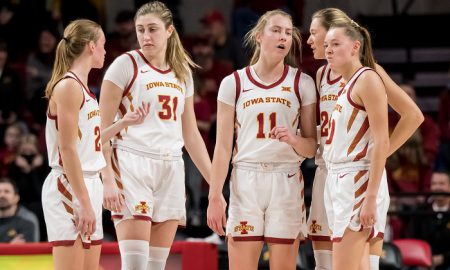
418	117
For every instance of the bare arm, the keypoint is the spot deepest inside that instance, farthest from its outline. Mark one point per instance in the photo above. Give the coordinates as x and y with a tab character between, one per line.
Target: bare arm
110	98
370	92
221	160
66	99
410	115
193	140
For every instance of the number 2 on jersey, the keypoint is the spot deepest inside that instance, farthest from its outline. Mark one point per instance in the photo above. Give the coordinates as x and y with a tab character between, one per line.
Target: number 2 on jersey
98	145
260	119
324	118
168	110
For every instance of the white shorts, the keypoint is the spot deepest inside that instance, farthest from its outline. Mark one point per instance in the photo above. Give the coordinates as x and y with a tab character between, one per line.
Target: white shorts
153	189
60	205
266	203
344	194
318	229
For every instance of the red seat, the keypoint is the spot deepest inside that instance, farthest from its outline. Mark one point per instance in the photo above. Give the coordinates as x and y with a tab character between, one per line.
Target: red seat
414	252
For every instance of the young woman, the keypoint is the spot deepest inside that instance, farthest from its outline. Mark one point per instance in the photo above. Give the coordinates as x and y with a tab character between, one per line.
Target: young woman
144	179
70	194
356	192
329	83
265	104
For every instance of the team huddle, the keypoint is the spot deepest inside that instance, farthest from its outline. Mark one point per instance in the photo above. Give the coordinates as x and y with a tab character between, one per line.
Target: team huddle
124	152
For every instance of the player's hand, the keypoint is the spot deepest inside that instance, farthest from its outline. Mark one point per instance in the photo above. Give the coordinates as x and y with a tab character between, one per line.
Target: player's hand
138	116
282	134
85	219
368	214
216	217
112	198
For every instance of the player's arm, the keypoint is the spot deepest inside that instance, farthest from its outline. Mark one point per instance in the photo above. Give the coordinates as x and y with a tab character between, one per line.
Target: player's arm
109	104
220	164
68	97
410	115
193	140
129	119
370	92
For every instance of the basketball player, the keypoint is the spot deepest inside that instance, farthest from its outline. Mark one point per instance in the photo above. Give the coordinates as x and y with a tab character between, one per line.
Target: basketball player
264	103
70	194
144	178
356	148
329	83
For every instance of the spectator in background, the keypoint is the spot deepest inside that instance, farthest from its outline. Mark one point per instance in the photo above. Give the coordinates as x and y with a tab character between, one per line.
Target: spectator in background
8	153
411	166
10	94
29	172
194	179
212	70
16	222
435	229
443	161
38	72
123	38
226	47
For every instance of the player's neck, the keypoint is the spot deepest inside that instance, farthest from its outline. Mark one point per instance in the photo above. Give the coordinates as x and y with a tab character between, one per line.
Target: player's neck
158	61
268	71
81	68
349	70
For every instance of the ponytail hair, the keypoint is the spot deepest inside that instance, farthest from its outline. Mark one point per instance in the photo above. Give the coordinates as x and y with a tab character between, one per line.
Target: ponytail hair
75	38
176	56
250	39
357	32
331	16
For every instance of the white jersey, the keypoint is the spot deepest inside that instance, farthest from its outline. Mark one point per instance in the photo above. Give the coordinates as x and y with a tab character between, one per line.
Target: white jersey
261	107
328	94
161	131
349	139
89	144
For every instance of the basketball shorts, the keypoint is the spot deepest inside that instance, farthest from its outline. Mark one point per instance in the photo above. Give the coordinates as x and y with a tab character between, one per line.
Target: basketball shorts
318	229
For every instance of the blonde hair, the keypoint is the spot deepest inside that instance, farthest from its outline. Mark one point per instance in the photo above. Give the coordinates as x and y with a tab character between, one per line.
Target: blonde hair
176	56
250	38
331	16
76	36
357	32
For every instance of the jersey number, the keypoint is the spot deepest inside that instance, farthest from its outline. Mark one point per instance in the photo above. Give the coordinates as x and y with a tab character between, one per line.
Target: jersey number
168	110
324	124
98	145
330	137
260	119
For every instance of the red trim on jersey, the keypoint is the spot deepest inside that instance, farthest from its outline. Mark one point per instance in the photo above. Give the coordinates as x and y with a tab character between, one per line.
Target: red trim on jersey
358	205
278	240
321	75
135	70
150	65
68	208
116	217
64	243
49	114
336	239
238	86
297	86
92	95
359	175
362	154
147	218
331	82
361	189
319	238
372	232
379	235
260	85
352	118
359	135
248	238
63	190
351	87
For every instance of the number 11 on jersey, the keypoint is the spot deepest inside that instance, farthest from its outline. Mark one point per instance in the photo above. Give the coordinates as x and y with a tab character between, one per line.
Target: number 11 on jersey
272	123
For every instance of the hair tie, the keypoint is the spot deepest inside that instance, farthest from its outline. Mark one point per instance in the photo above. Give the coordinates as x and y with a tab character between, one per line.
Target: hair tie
65	39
